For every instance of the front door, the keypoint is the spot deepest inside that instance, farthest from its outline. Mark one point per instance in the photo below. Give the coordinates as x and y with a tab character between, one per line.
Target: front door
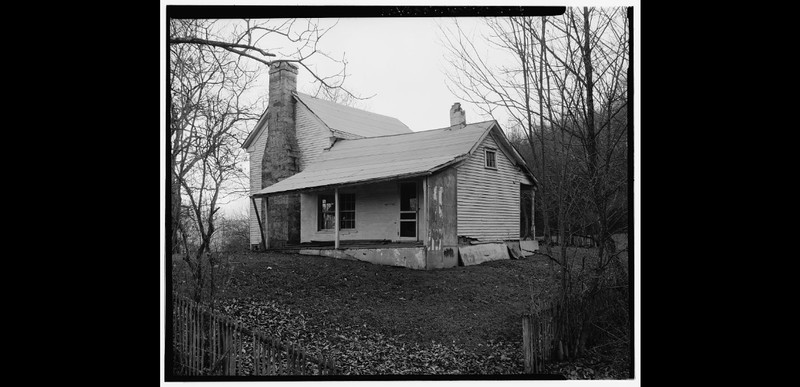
409	207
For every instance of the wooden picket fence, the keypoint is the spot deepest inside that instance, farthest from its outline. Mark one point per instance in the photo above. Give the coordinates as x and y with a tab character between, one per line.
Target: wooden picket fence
551	333
206	342
545	335
538	338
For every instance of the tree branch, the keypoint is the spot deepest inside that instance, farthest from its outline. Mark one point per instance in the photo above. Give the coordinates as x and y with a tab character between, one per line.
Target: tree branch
226	45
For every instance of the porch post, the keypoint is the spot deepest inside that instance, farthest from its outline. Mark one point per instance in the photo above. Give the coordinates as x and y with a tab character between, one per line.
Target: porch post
260	228
265	201
336	217
533	212
424	202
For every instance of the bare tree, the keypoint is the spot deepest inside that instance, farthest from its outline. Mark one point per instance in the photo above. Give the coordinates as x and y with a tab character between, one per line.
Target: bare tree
207	124
565	83
213	65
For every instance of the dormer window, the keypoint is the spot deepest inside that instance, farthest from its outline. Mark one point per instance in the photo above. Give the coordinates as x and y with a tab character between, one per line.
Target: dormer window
489	158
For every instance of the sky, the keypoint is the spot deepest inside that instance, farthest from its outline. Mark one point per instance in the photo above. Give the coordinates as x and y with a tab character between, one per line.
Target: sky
401	61
398	60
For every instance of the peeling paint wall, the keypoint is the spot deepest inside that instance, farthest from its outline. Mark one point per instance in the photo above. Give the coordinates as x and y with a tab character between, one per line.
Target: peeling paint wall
440	202
489	199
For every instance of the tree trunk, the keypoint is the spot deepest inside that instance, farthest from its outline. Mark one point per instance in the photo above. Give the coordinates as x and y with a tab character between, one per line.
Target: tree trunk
175	213
526	74
539	87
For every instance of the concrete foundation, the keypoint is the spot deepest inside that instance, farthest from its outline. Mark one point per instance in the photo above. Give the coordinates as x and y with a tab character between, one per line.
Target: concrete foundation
476	254
410	257
528	247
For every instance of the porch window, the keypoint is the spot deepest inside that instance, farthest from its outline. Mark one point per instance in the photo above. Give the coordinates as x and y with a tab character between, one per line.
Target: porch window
490	159
327	212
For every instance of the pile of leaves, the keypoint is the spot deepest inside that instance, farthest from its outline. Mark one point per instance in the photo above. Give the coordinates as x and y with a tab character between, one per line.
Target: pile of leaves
375	319
588	367
363	350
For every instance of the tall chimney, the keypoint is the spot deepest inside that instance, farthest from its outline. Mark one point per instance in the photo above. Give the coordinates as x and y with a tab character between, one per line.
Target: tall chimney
458	118
281	155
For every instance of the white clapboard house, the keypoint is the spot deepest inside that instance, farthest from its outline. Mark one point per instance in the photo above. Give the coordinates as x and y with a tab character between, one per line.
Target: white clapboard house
328	179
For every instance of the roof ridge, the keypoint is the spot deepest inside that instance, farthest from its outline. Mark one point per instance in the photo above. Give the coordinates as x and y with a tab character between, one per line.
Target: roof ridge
343	105
406	134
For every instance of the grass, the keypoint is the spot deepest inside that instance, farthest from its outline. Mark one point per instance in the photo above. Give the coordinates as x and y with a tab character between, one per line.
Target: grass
473	308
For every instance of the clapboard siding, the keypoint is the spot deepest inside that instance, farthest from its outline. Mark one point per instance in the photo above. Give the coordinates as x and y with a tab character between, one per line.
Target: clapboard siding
312	135
488	200
312	138
255	152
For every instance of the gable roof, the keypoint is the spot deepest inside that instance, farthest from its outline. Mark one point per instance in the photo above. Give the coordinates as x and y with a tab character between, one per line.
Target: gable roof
340	118
386	158
262	122
351	120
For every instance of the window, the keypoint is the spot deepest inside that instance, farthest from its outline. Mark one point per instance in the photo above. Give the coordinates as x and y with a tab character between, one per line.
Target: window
326	217
490	159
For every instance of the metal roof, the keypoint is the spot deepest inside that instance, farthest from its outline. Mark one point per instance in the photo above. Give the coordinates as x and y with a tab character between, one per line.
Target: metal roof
351	120
386	157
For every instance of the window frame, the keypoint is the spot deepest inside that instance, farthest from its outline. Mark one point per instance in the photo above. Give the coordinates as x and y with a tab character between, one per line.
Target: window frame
486	152
321	213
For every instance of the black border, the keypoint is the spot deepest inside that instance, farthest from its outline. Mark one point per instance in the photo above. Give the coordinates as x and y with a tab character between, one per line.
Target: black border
225	12
631	210
339	11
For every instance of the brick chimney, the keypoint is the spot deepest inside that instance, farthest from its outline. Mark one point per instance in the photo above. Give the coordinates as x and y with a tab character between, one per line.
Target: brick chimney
281	155
458	118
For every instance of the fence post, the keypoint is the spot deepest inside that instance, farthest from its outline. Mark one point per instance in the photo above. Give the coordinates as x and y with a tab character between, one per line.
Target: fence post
224	344
191	339
185	337
537	335
234	349
270	357
214	342
527	343
195	340
203	340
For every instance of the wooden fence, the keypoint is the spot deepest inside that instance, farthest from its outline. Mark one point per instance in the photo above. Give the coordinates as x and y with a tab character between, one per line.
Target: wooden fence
538	339
555	331
206	342
571	240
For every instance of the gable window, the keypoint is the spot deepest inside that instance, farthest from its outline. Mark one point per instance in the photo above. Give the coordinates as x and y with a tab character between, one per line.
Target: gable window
326	216
490	160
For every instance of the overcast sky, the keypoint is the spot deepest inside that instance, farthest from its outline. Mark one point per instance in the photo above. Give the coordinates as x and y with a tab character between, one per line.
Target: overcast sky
398	60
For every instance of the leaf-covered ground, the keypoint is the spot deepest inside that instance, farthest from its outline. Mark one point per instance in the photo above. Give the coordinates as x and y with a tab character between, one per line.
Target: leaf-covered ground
376	319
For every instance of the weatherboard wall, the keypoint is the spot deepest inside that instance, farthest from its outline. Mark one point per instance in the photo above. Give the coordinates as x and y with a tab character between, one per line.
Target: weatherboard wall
255	153
312	135
488	199
312	138
377	214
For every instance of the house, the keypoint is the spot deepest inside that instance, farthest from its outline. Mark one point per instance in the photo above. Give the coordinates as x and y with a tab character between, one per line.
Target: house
332	180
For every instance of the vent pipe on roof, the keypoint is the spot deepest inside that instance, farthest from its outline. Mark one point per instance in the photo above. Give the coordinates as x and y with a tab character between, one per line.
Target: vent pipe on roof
458	118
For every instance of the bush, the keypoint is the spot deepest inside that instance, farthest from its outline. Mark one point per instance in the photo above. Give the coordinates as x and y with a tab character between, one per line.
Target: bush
233	235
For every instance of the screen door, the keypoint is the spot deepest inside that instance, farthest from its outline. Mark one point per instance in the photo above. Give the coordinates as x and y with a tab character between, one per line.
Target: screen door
409	206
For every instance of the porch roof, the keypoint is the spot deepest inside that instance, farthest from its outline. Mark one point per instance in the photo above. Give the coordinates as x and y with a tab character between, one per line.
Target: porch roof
373	159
